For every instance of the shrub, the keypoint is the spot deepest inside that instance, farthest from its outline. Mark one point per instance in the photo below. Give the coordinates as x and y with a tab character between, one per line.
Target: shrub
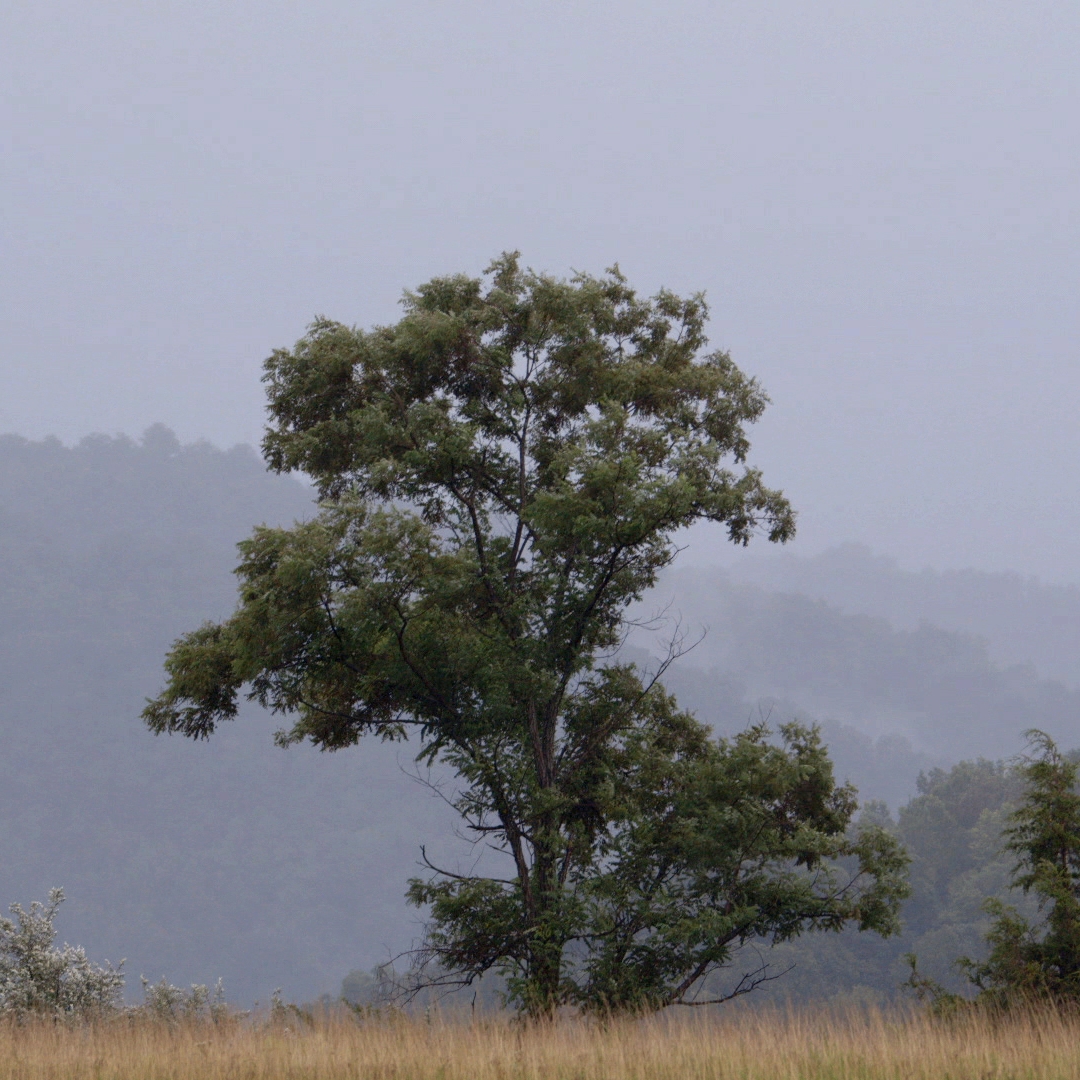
163	1001
37	978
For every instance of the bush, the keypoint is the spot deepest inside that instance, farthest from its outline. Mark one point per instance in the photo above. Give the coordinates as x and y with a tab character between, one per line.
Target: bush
37	978
163	1001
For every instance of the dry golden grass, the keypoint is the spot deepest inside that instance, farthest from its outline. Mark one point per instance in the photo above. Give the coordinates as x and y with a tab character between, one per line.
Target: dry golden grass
744	1045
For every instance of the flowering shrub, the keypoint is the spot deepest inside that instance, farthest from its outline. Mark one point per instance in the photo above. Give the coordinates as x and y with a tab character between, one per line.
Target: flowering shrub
38	978
163	1001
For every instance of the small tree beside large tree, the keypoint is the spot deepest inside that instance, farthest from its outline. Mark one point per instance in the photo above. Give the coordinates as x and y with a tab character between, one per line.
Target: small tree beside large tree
1032	962
501	474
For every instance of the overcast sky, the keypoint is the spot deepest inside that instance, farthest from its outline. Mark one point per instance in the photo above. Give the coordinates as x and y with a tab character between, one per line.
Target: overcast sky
881	200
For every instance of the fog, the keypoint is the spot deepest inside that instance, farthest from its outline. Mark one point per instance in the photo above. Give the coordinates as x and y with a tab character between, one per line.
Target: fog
880	203
878	199
273	867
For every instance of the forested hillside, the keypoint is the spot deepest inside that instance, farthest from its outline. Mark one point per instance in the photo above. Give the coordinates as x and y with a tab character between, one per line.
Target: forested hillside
269	867
939	688
1021	619
232	859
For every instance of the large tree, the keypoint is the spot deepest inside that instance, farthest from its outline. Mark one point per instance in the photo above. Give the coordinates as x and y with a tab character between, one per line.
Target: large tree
501	474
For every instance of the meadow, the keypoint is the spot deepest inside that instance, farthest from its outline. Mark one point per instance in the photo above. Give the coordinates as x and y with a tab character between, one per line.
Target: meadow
748	1045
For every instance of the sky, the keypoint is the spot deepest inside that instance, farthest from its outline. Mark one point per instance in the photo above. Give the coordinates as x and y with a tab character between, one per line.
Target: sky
879	199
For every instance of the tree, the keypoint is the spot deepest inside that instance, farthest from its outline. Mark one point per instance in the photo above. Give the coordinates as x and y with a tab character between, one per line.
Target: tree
36	978
1029	961
502	473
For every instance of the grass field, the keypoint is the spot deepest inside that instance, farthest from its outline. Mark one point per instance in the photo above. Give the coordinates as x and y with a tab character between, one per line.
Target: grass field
746	1045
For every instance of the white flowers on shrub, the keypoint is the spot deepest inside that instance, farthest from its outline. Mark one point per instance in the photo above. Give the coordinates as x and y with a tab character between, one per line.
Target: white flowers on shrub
37	977
164	1001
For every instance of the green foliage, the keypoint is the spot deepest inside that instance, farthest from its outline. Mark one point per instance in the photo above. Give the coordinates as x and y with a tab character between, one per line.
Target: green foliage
1041	960
709	846
503	472
952	832
731	843
112	547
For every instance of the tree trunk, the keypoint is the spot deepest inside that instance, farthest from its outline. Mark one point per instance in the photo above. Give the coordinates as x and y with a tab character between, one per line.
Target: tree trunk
545	959
546	946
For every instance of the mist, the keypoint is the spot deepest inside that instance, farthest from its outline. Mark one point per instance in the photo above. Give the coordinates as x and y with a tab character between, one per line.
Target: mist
878	200
880	204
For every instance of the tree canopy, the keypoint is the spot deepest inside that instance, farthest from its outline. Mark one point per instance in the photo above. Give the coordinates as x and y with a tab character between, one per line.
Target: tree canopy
1038	959
501	473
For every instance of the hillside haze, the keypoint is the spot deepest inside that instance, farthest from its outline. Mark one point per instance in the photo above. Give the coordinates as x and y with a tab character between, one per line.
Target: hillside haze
939	688
1022	620
270	868
230	858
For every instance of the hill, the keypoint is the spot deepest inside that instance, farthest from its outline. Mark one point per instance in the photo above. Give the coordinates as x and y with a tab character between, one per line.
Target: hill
1023	621
234	858
287	868
940	689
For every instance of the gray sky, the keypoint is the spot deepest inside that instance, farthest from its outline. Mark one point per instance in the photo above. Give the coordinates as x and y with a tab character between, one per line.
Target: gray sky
880	199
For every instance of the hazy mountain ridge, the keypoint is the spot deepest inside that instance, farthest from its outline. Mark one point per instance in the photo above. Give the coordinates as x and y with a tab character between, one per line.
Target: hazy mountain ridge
231	858
940	688
1022	619
272	867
